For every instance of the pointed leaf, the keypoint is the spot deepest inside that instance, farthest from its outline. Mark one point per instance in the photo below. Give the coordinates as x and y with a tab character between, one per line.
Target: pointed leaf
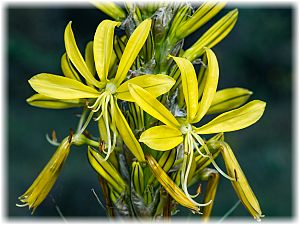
161	138
127	135
42	101
152	106
76	57
132	49
103	47
176	193
189	85
211	83
61	87
228	99
155	84
235	119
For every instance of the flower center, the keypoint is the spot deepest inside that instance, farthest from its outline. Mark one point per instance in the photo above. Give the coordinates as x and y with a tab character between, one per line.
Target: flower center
186	128
111	88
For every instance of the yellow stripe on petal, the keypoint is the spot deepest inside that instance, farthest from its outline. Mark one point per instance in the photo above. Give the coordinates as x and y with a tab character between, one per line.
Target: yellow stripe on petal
154	84
42	101
132	49
189	85
162	138
235	119
103	47
67	69
127	135
61	87
89	57
210	86
76	57
152	106
176	193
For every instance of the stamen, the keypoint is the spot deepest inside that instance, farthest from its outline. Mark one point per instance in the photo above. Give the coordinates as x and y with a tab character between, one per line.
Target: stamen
86	122
201	142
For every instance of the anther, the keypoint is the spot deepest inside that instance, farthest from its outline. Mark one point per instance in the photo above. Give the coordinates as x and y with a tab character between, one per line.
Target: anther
235	175
54	138
71	135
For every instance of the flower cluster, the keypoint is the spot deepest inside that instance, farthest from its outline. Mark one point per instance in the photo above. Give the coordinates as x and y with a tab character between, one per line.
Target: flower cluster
142	91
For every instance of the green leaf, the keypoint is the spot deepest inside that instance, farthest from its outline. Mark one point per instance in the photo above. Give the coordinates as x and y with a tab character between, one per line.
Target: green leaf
189	85
161	138
61	87
203	14
42	101
76	57
213	36
132	49
103	47
229	98
210	86
176	193
127	135
111	9
155	84
235	119
152	106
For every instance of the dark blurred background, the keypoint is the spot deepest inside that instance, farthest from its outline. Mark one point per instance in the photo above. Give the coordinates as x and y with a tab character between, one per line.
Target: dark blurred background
256	55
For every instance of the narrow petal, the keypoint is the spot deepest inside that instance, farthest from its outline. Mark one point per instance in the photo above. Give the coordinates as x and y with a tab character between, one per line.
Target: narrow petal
161	138
176	193
189	85
240	185
211	83
111	9
155	84
212	36
132	49
235	119
43	101
229	98
152	106
127	135
105	169
89	57
67	68
61	87
76	57
103	47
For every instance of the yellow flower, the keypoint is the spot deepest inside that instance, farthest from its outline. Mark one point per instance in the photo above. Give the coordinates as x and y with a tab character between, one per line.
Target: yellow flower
181	130
102	91
42	185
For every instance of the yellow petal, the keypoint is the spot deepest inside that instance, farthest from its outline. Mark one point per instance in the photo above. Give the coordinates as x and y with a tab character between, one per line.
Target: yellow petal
42	101
213	36
61	87
68	69
229	98
210	87
127	135
189	85
240	185
152	106
76	57
132	49
106	170
203	14
161	138
111	9
103	47
176	193
155	84
235	119
89	57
